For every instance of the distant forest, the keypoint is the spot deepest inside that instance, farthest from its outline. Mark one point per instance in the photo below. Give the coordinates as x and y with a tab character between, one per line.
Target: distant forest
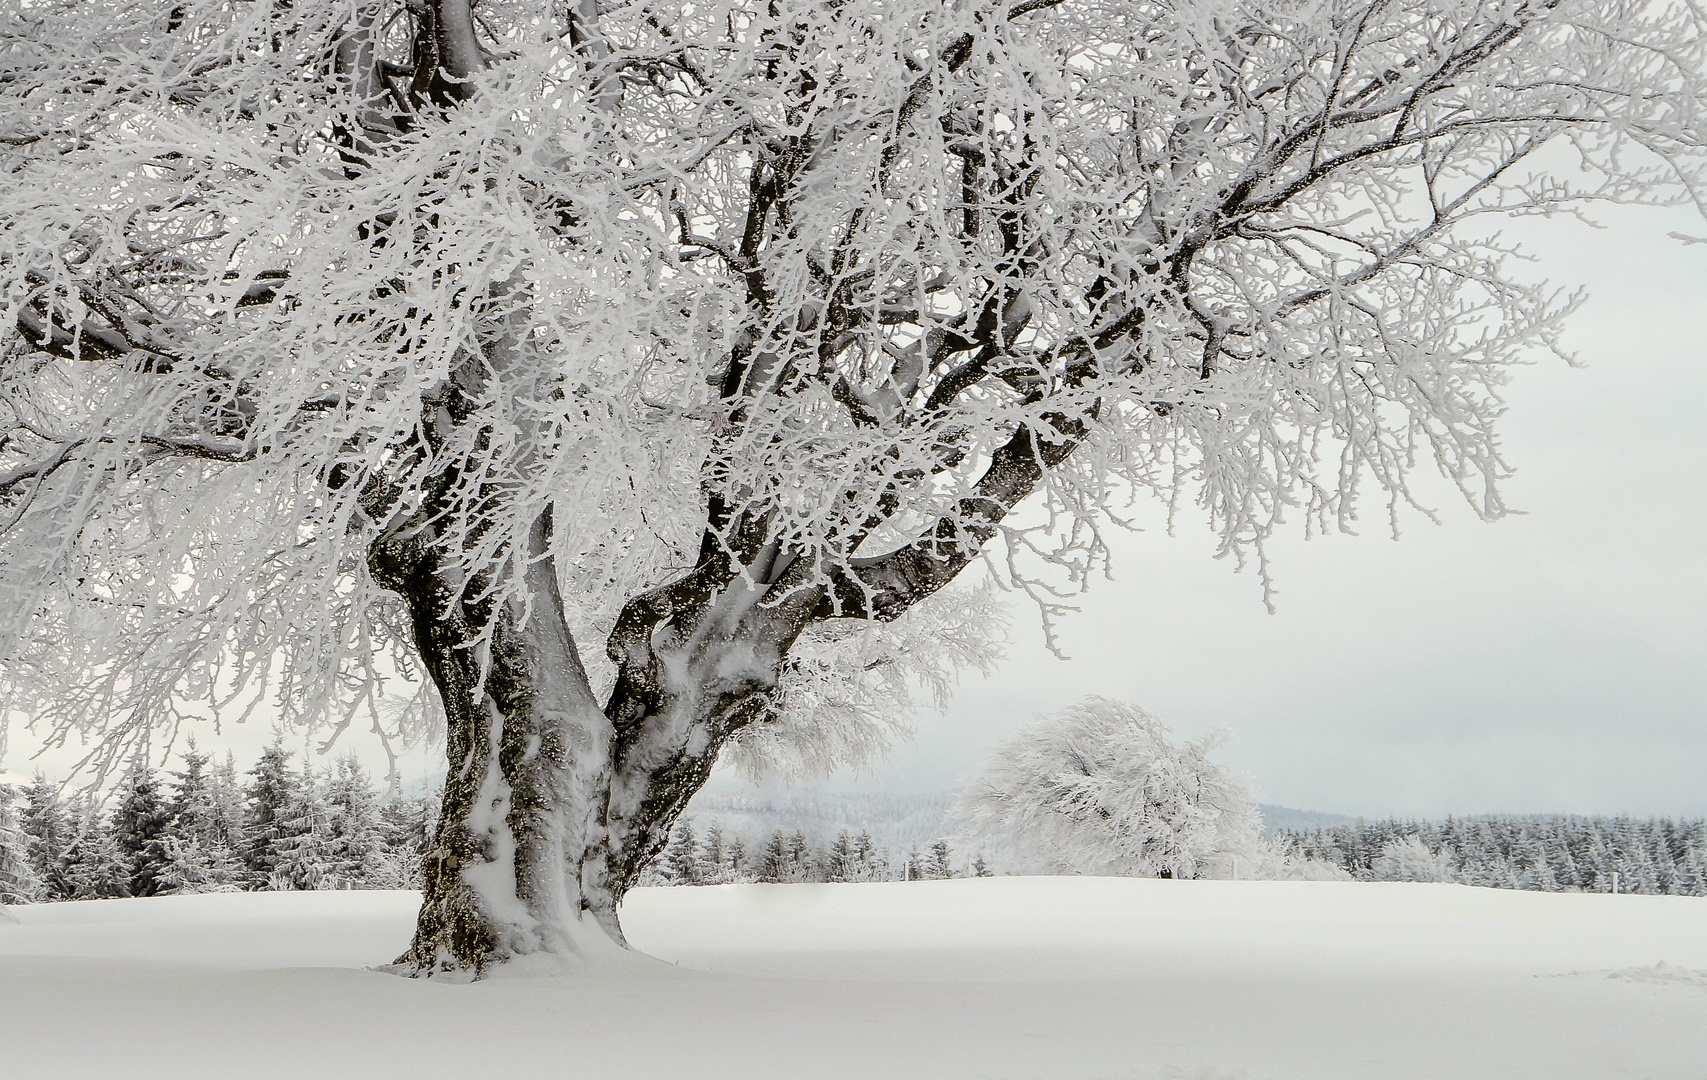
206	828
1543	852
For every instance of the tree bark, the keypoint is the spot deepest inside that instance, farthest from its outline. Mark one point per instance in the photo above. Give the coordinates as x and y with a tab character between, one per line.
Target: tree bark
512	870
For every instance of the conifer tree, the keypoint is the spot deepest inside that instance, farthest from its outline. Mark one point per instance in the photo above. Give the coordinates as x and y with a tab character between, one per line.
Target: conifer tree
139	827
271	790
356	855
406	826
228	803
738	869
841	865
936	864
712	855
303	850
681	857
43	817
197	847
773	859
18	881
93	867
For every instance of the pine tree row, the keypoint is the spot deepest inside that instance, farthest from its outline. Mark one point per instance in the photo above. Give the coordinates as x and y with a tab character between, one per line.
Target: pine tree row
205	830
709	858
1549	853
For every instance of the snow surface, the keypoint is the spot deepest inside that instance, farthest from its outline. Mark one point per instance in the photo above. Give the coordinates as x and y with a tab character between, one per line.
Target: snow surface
1021	978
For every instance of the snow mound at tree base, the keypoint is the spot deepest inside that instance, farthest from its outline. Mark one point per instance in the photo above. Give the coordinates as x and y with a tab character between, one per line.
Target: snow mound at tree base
1003	978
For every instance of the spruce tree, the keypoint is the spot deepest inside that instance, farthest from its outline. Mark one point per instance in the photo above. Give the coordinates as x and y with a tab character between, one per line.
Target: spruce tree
198	852
139	827
773	859
271	791
228	804
841	865
303	849
18	881
681	857
936	861
356	854
93	867
737	861
406	826
711	856
43	817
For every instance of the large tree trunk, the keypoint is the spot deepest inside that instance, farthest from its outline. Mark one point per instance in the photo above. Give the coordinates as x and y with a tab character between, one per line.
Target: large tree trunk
513	869
553	806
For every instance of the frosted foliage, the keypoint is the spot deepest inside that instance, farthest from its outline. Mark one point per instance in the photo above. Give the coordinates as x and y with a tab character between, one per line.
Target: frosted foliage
850	687
1099	789
801	281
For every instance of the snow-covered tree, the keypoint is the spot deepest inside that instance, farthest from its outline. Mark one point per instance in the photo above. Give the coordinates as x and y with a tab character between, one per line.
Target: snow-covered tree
406	827
713	857
19	882
42	816
1409	858
197	850
348	338
357	856
1099	788
272	790
936	865
681	861
304	850
93	867
140	824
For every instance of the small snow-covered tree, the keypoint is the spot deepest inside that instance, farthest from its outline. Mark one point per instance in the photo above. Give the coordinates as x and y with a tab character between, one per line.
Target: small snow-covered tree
346	339
42	815
19	883
304	849
681	861
271	792
1098	788
197	852
1409	858
936	863
93	867
356	850
712	858
140	824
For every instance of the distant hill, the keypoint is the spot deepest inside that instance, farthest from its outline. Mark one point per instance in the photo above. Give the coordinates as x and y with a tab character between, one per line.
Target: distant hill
1275	818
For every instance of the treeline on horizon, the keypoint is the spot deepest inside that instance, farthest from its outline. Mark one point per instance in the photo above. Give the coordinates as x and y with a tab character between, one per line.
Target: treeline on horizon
1539	852
203	828
206	828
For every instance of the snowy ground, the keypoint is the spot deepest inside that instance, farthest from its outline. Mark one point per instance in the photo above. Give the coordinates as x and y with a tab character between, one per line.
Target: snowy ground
1016	978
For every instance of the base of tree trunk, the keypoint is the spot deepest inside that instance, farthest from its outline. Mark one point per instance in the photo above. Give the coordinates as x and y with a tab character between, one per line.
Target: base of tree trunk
459	940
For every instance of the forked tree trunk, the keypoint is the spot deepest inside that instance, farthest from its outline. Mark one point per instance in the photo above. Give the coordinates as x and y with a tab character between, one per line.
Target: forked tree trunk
553	806
513	869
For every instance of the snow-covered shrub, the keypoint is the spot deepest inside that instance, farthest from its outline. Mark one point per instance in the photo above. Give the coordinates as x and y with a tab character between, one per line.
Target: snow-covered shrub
1408	858
1100	789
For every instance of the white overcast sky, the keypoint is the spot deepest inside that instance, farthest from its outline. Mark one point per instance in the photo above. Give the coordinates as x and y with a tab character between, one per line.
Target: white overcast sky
1552	661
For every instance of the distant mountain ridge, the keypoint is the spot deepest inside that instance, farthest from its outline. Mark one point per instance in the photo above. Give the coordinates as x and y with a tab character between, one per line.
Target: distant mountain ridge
1275	818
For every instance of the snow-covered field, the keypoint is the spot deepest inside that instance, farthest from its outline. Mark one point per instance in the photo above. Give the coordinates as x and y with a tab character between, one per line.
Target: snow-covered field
1033	978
